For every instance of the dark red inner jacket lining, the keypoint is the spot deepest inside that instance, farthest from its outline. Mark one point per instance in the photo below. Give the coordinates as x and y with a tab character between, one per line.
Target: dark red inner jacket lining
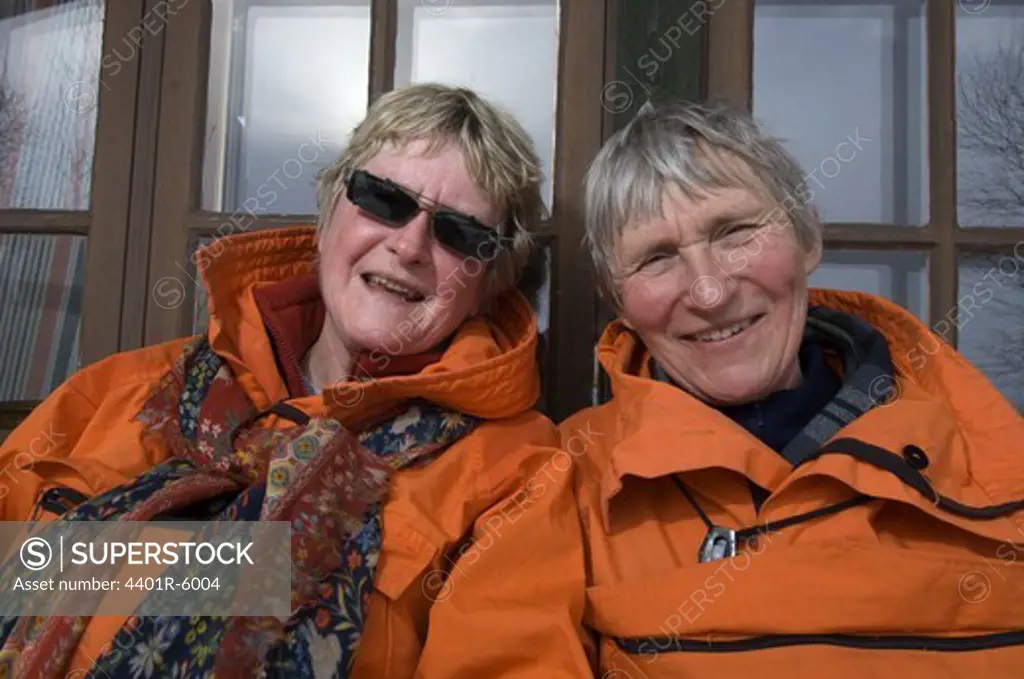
293	312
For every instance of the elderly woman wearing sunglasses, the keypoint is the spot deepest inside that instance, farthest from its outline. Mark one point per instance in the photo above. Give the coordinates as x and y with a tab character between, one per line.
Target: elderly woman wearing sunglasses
371	381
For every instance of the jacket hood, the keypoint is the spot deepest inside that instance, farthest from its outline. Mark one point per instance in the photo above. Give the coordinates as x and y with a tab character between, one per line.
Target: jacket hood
488	370
943	405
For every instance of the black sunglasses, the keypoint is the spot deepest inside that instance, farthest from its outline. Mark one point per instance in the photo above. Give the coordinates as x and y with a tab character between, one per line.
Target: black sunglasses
394	205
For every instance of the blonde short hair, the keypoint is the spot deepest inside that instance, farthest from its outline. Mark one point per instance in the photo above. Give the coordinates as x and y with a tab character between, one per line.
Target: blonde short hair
499	155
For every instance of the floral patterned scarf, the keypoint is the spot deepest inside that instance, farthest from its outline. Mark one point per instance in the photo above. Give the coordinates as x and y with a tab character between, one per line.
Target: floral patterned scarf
328	482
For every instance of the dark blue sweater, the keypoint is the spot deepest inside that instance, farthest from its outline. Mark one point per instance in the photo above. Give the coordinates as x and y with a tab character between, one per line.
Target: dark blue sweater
777	419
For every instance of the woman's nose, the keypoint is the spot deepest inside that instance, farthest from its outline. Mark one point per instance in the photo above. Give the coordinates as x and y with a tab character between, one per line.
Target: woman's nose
411	243
709	285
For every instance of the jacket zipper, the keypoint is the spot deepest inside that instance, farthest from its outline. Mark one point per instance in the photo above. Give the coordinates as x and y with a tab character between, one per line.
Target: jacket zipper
644	645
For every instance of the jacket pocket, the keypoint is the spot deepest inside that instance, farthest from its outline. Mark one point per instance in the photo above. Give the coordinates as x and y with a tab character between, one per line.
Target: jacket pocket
855	596
405	559
396	621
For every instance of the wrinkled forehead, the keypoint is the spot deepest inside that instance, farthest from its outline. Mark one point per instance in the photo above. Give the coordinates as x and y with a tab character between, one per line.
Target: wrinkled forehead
693	170
438	171
696	194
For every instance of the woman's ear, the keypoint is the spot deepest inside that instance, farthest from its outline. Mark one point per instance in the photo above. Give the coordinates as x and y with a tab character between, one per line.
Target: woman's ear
611	305
623	319
813	254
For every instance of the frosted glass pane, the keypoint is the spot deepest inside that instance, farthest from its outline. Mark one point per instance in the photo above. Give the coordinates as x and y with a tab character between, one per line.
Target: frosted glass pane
990	318
41	279
507	51
287	84
49	87
990	113
844	85
898	276
535	283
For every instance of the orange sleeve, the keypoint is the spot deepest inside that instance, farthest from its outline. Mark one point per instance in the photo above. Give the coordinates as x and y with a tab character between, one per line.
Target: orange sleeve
82	436
30	456
512	603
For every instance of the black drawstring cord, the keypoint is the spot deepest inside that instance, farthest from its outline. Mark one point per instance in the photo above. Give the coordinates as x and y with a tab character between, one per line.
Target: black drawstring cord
745	534
774	526
696	507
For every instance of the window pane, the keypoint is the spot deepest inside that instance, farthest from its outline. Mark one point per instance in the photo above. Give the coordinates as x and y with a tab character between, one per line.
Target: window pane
844	85
990	318
40	307
990	113
899	276
535	283
49	84
288	81
506	50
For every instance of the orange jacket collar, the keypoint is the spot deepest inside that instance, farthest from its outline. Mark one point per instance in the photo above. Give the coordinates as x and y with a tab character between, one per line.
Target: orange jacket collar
945	404
488	369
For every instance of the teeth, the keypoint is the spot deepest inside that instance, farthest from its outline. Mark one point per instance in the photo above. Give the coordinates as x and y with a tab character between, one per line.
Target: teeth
395	287
724	333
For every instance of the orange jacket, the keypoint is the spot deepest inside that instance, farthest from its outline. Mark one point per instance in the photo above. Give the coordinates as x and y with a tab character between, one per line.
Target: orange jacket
507	604
854	594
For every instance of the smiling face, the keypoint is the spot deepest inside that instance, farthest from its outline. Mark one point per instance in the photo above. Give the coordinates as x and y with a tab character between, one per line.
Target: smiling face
396	290
718	293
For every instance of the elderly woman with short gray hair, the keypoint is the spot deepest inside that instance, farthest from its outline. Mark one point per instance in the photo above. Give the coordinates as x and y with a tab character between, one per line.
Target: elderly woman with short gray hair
775	488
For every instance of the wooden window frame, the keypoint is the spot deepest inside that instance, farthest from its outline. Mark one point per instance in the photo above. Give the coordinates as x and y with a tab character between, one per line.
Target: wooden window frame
730	77
177	180
106	222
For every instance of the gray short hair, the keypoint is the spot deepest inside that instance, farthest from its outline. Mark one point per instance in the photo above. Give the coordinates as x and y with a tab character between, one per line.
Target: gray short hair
686	145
